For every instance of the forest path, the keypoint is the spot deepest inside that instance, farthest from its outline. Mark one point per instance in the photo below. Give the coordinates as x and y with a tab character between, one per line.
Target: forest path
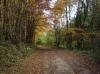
54	61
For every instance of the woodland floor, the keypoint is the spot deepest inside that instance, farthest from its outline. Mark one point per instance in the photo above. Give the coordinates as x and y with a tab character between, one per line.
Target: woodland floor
55	61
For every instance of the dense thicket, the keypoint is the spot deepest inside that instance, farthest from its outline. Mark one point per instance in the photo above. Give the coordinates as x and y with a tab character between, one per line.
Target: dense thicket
19	18
87	19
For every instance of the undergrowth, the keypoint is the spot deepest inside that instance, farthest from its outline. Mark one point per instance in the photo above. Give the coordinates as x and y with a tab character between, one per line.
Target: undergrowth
93	53
10	53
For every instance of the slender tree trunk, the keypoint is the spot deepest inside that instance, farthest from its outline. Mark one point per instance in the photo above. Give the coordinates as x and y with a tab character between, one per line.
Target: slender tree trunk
67	23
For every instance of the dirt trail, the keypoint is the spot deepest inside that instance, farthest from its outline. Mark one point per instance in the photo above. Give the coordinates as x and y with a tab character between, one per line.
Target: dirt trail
55	62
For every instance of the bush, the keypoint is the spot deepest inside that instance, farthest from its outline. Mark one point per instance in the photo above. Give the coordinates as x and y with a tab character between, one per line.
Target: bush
92	46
